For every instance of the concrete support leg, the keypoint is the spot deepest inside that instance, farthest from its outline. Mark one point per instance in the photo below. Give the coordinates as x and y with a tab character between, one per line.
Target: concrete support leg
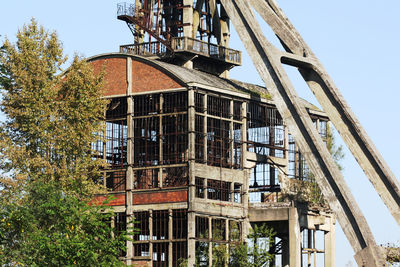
191	239
330	244
294	238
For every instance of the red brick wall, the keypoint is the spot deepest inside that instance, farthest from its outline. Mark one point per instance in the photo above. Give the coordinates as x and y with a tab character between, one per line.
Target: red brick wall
159	197
147	78
118	200
141	263
144	77
115	75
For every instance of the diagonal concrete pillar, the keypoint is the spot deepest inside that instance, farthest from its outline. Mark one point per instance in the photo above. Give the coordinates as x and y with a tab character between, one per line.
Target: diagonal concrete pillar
267	60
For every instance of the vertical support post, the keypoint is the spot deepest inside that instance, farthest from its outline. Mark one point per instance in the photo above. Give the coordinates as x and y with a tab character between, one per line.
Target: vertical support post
192	179
247	172
205	186
330	244
161	158
129	158
232	192
151	236
294	237
205	129
187	22
191	238
231	137
192	146
286	149
210	244
227	231
170	237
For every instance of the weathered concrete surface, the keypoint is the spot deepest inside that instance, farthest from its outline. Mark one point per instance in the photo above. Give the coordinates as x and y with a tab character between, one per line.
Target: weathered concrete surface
333	103
267	60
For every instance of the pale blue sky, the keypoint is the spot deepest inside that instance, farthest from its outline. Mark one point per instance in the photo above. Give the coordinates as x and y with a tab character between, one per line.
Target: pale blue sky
357	41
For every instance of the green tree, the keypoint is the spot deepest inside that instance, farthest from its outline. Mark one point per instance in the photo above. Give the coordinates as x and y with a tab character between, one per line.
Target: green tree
51	114
53	229
257	250
48	174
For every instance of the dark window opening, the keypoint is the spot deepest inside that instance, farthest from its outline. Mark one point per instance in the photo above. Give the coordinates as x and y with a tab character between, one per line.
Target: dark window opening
179	224
116	143
146	105
146	141
174	139
218	190
175	102
146	179
218	229
117	108
176	176
160	224
199	187
116	181
202	231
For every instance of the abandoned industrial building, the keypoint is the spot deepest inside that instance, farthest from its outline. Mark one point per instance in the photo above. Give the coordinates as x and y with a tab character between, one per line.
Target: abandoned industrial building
197	158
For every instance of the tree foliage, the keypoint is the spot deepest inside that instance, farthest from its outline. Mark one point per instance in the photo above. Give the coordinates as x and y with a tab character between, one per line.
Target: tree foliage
48	174
257	250
51	116
54	229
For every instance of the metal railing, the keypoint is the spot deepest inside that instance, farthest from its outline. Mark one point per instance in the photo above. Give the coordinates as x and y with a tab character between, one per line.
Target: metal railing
180	44
125	9
144	49
211	50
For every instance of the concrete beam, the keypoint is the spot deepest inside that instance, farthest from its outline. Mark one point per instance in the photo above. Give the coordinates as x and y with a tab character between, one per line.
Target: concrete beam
328	176
333	103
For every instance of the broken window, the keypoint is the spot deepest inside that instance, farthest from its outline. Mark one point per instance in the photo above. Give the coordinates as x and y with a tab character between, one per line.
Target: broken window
175	102
174	138
218	142
199	102
175	176
146	105
199	138
265	132
234	231
202	231
237	193
218	106
117	108
142	236
218	190
218	229
145	179
199	187
179	224
116	181
116	143
202	253
160	254
237	145
237	110
179	253
160	224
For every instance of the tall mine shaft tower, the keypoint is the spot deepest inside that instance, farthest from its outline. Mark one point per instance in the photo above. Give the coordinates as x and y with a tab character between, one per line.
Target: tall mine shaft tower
197	159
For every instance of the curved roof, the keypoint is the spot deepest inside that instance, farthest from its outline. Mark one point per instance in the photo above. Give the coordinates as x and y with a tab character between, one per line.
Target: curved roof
192	76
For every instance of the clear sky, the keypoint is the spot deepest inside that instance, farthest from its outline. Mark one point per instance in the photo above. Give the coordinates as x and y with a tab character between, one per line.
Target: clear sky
357	41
